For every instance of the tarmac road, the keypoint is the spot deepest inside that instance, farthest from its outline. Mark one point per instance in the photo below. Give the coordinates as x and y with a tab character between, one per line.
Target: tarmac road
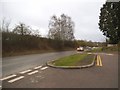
15	64
104	76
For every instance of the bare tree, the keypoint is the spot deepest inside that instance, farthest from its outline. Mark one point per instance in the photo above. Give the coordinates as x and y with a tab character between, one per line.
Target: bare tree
36	33
61	28
22	29
5	25
67	28
53	28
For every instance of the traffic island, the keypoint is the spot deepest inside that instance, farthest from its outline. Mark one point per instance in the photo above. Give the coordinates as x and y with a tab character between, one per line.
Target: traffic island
75	61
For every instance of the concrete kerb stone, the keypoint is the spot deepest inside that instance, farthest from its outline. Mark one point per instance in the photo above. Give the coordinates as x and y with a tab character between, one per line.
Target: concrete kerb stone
72	67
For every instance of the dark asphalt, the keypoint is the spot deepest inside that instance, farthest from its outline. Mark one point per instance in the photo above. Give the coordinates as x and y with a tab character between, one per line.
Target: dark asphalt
94	77
15	64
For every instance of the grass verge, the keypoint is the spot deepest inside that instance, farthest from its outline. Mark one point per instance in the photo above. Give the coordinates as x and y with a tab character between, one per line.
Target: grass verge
74	60
113	49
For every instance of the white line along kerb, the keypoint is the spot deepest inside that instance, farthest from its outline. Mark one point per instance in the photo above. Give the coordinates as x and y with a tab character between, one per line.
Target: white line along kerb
37	67
16	79
44	68
8	77
109	54
89	53
33	72
25	71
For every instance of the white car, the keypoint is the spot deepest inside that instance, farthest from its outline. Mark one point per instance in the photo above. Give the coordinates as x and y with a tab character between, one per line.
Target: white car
80	49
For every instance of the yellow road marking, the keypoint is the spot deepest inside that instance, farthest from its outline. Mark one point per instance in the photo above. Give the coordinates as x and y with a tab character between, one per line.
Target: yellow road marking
99	61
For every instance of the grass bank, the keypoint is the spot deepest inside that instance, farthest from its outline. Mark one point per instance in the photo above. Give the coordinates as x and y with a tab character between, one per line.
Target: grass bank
107	49
74	60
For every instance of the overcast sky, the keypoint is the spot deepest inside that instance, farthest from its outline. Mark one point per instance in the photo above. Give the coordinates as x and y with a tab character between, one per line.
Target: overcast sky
37	13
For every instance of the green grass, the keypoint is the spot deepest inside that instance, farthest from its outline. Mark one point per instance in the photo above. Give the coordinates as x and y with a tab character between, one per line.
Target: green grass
87	60
110	49
107	49
69	60
97	50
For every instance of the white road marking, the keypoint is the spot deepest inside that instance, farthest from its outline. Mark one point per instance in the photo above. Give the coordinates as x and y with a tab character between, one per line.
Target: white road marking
0	86
89	53
33	72
16	79
8	77
44	68
37	67
25	71
109	54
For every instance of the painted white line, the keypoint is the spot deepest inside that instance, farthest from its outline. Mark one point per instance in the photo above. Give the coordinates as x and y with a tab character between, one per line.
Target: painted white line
83	66
89	53
37	67
16	79
0	86
33	72
25	71
44	68
88	65
8	77
110	54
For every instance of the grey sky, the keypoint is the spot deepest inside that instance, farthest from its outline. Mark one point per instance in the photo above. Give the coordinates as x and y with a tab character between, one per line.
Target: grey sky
37	13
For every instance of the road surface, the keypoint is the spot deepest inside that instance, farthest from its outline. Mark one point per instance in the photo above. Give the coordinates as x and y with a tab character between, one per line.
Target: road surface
104	76
15	64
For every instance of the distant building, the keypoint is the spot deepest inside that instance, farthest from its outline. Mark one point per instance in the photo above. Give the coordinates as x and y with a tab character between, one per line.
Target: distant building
111	45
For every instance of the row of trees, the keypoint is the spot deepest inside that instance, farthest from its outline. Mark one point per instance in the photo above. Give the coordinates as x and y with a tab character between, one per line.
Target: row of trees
61	28
21	29
109	22
85	43
21	37
60	37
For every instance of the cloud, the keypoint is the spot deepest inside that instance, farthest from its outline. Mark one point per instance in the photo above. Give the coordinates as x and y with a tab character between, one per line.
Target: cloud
37	13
